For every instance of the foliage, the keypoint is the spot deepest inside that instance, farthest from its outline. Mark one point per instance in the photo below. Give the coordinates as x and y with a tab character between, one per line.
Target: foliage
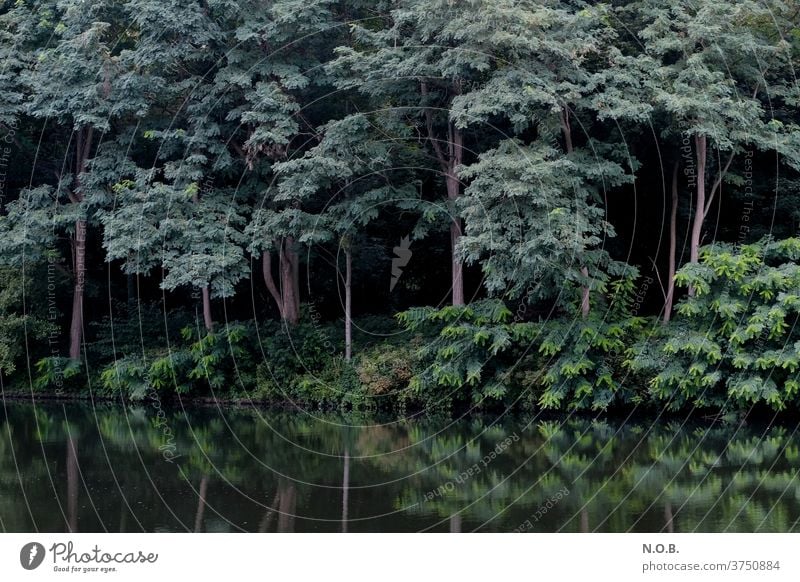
464	350
736	343
386	370
292	356
585	358
24	325
202	365
59	375
563	363
234	152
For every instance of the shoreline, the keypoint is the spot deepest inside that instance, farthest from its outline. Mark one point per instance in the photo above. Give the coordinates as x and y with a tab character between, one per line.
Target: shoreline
755	417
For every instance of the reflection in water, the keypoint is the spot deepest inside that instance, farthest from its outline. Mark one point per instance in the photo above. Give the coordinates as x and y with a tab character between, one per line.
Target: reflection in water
72	484
77	468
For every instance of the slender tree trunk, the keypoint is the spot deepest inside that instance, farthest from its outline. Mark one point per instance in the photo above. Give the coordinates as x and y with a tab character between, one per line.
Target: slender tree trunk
72	484
207	320
345	489
453	192
76	326
348	305
585	295
673	243
266	269
296	278
566	128
287	298
83	146
289	275
458	266
201	504
699	203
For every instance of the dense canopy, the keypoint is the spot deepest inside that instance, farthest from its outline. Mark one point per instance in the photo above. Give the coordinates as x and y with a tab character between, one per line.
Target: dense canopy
402	204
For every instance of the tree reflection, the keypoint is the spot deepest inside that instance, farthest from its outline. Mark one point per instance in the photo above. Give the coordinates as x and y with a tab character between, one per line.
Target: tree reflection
247	470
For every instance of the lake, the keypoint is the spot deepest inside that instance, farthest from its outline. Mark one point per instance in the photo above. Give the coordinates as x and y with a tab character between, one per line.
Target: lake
84	468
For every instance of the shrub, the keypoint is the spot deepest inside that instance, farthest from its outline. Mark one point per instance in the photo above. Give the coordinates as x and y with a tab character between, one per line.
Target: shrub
468	352
216	361
59	374
585	358
736	342
22	324
292	354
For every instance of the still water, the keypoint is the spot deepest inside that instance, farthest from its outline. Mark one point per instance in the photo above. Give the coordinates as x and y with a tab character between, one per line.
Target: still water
85	468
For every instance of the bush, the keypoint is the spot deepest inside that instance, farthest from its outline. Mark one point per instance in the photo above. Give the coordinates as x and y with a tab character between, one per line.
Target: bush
294	354
736	341
585	358
216	361
478	356
59	375
467	352
20	330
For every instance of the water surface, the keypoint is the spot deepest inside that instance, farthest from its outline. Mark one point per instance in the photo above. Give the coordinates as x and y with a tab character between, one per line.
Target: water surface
77	467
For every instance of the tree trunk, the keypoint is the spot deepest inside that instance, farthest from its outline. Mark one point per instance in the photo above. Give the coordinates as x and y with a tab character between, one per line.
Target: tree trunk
585	295
209	322
458	266
345	489
290	295
296	278
76	327
566	129
266	269
453	192
83	146
348	305
699	203
673	236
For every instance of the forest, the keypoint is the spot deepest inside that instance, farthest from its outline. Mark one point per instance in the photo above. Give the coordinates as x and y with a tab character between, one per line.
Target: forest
402	205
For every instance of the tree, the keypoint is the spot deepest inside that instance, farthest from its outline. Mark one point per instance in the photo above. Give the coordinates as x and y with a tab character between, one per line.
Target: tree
73	89
275	70
718	72
352	169
418	63
534	204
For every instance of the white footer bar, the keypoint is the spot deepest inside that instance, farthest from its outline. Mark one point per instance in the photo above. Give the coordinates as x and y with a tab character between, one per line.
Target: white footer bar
399	557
